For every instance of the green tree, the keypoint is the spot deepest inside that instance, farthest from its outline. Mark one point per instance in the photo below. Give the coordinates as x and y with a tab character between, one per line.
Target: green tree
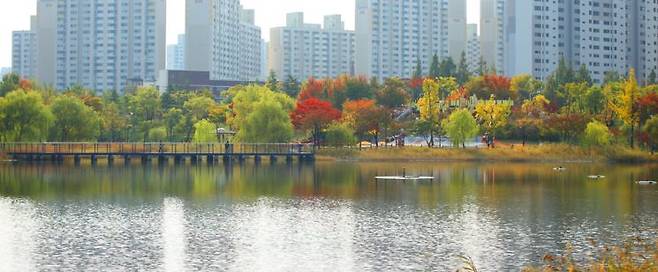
652	78
340	135
434	67
10	82
611	76
205	132
418	73
23	117
461	126
525	86
172	119
268	123
463	73
393	94
447	68
157	134
199	106
145	106
272	82
247	98
74	121
359	88
596	134
651	129
113	122
291	86
582	76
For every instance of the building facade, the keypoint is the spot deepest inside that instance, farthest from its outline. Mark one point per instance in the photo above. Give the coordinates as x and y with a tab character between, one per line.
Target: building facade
222	39
24	51
606	36
393	35
101	45
305	50
176	54
473	55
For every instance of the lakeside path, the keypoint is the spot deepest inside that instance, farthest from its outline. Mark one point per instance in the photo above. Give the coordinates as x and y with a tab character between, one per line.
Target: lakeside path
530	153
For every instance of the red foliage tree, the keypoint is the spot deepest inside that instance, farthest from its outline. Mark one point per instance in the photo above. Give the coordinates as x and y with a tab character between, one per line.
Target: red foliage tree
314	114
312	88
648	105
499	86
25	84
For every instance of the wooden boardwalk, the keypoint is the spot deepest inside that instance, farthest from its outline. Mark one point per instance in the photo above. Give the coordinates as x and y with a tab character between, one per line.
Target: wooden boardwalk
161	151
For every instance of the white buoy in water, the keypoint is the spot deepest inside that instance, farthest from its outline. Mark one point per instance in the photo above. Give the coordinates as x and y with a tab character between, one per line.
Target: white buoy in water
647	182
560	169
596	177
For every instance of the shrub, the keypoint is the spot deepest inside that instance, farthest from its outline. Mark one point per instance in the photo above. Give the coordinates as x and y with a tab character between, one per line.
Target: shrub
339	135
596	134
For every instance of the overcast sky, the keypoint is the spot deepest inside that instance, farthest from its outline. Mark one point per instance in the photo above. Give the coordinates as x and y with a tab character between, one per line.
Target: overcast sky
15	15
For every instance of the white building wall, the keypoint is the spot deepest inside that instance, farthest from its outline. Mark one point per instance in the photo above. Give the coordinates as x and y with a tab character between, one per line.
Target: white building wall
473	55
392	35
24	53
176	54
101	45
305	50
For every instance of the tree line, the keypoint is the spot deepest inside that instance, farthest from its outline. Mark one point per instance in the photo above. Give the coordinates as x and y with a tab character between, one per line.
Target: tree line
449	101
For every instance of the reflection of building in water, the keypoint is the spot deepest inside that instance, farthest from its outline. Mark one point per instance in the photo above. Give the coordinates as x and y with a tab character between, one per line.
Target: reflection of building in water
18	229
173	235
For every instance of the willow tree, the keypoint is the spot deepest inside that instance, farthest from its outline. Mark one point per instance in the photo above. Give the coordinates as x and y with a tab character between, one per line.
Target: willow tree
461	126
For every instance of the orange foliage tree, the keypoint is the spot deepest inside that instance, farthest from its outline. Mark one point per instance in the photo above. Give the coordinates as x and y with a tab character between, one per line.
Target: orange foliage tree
315	115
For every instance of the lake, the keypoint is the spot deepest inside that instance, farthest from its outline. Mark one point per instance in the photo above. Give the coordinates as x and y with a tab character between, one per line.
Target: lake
314	217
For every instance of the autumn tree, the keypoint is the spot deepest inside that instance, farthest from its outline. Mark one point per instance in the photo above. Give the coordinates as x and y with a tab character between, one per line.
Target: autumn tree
314	115
525	86
393	94
359	88
492	115
627	108
530	116
461	126
430	111
651	130
365	118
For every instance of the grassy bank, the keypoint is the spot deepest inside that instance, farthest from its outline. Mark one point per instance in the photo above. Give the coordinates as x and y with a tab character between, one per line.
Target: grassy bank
504	153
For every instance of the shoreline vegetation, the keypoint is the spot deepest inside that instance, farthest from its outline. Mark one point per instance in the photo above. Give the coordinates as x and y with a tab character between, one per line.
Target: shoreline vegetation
546	153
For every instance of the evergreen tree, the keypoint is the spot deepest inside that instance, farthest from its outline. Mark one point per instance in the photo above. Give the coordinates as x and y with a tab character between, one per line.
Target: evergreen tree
611	76
272	82
434	67
652	78
418	73
482	68
447	68
291	86
463	73
582	76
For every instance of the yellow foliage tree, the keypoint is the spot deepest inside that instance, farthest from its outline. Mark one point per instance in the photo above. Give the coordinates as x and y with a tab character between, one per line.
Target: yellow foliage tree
626	106
429	105
492	115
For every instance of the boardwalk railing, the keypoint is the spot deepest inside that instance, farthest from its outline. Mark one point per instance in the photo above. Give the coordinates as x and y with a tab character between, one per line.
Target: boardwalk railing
152	149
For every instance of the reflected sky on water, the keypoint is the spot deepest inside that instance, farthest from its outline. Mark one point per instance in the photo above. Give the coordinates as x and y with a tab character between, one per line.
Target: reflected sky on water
313	217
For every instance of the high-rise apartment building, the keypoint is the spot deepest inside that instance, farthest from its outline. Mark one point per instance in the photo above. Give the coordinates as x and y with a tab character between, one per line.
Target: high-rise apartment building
102	44
393	35
473	55
176	54
24	51
305	50
222	39
492	17
606	36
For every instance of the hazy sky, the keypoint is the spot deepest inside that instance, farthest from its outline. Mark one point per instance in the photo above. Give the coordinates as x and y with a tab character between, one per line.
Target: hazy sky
15	15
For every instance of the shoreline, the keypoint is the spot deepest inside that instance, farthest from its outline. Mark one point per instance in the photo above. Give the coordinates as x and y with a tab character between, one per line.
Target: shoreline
550	153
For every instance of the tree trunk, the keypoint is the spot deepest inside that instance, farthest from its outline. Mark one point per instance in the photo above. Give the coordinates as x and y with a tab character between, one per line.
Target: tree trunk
632	136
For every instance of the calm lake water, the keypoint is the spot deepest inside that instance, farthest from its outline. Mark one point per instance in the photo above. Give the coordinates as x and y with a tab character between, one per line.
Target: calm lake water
321	217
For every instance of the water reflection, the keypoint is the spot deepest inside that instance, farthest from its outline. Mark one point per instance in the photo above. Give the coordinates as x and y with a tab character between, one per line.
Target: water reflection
318	217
